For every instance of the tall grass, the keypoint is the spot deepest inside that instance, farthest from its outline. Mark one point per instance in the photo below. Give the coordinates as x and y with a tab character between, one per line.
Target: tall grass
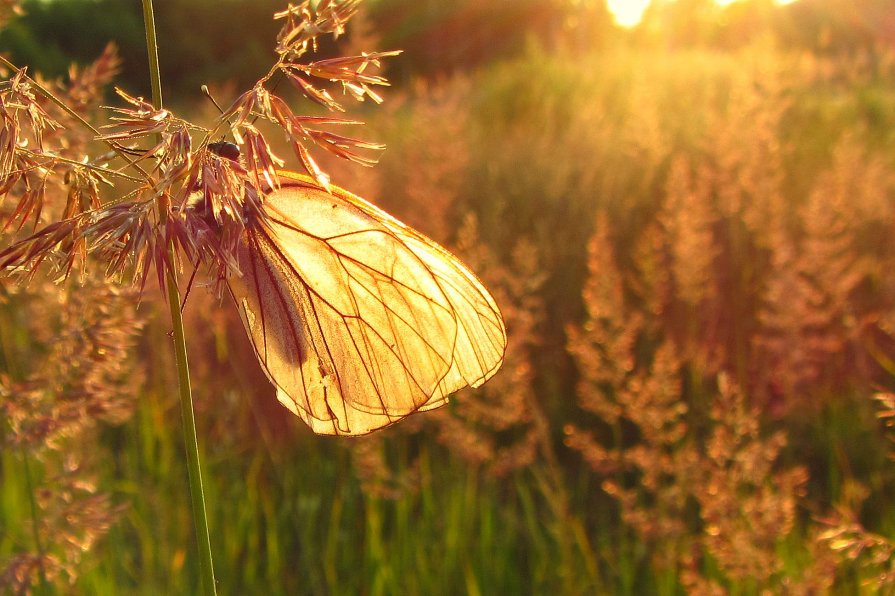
692	252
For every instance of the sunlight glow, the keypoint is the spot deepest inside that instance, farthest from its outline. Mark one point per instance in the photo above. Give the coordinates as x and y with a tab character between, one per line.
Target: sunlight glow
628	13
728	2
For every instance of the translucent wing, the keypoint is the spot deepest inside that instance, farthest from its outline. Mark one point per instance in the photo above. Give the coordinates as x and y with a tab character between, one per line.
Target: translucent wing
357	319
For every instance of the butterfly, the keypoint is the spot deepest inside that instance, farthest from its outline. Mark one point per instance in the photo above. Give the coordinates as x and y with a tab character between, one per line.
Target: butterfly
357	319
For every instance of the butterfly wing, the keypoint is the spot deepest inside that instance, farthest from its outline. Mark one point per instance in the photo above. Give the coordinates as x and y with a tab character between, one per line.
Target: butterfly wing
356	318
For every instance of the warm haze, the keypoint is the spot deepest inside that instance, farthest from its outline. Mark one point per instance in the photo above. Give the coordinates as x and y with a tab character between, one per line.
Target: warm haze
628	13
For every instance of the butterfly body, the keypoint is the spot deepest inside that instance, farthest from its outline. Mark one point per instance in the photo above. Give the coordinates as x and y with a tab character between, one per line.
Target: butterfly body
356	318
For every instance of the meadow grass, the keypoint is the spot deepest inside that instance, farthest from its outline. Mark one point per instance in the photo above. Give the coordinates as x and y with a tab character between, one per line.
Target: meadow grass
298	522
690	252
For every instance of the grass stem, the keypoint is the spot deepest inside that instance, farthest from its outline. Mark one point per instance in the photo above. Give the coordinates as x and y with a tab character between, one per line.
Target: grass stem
191	442
35	524
197	492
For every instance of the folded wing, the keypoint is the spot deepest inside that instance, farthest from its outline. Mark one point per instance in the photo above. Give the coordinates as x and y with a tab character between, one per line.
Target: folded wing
356	318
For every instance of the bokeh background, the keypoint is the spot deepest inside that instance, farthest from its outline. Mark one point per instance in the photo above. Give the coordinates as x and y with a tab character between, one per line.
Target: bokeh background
687	221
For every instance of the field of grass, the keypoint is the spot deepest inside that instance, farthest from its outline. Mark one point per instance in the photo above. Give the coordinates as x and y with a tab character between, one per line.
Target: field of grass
692	251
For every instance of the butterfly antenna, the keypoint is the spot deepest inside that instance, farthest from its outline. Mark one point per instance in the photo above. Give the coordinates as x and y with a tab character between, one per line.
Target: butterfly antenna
208	94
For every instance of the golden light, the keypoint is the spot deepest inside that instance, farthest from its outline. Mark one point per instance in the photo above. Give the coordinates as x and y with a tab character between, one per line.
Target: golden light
628	13
728	2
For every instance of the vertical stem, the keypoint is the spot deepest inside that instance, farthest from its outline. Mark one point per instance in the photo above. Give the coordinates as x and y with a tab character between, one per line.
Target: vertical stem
152	49
189	436
197	493
35	524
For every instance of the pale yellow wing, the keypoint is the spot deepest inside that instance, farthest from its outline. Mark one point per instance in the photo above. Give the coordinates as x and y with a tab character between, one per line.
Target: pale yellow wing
357	319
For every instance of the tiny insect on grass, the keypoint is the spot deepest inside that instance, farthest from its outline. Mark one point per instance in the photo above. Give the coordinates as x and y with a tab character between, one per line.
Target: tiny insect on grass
225	149
356	318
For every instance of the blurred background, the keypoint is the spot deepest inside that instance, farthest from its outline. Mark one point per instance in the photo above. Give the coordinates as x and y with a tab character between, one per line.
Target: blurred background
685	212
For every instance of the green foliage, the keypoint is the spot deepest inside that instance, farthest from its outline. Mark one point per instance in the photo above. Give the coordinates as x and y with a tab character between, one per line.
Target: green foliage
202	41
52	35
293	518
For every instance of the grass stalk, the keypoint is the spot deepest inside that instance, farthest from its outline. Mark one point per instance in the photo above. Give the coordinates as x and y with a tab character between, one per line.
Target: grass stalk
35	524
191	441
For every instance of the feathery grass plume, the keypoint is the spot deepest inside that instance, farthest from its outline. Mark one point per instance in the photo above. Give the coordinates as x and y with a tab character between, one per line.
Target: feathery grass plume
621	391
361	36
745	144
648	279
665	462
842	532
747	503
74	371
133	233
29	171
871	553
82	376
740	167
701	488
688	220
820	309
604	346
783	363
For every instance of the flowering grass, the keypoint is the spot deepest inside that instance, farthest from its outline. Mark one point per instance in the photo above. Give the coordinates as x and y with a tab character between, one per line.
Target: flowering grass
692	253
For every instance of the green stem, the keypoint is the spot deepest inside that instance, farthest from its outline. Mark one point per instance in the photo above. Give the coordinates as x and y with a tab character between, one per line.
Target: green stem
152	49
197	493
189	436
35	524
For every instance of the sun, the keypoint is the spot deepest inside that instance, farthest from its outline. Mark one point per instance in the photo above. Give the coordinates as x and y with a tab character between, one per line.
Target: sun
628	13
